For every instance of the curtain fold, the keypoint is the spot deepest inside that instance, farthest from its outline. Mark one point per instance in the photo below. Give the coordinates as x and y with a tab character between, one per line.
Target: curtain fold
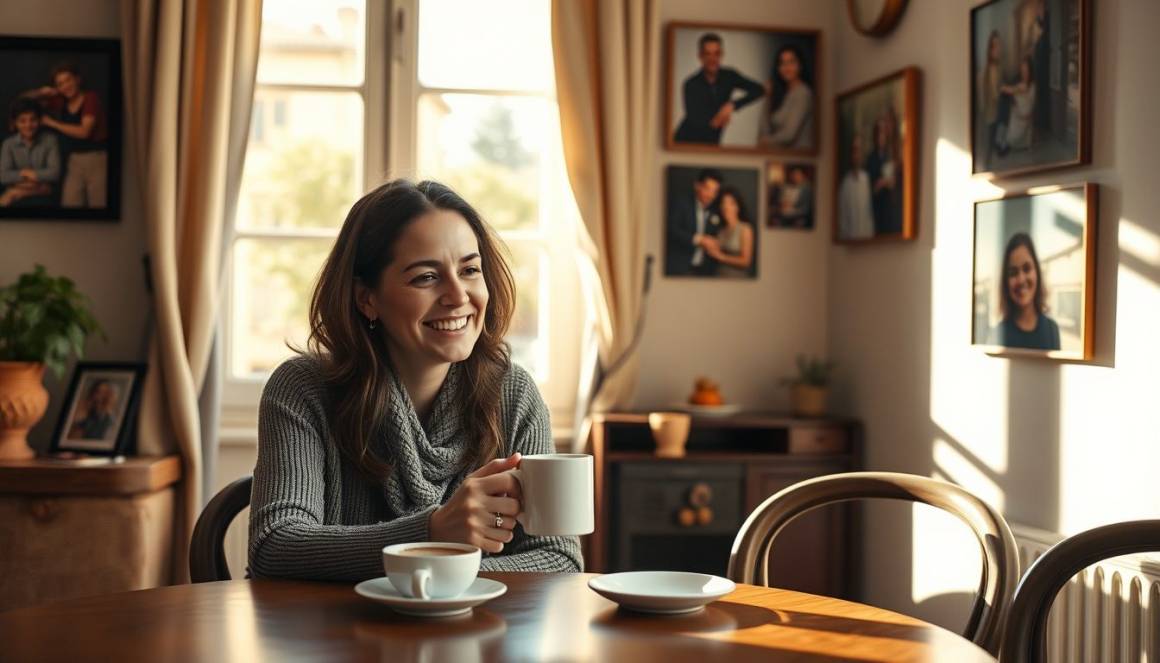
606	55
189	70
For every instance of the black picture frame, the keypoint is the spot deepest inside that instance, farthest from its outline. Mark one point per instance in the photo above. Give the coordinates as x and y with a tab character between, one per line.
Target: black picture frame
116	434
1050	133
27	63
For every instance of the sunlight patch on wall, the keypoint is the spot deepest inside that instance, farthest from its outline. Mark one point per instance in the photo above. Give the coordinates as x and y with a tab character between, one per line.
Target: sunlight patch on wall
1109	443
956	467
1139	242
963	382
946	556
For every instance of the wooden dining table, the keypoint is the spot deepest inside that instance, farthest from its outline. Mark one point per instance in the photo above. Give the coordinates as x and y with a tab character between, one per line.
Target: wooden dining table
542	617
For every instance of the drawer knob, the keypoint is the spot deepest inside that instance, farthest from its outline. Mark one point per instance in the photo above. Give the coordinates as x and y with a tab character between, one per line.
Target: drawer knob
686	517
700	494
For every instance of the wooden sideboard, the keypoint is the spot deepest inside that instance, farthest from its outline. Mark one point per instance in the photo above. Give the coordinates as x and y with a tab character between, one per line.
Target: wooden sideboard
70	529
732	463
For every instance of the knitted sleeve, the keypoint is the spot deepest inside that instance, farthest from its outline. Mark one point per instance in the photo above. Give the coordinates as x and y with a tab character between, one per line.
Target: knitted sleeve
287	536
529	432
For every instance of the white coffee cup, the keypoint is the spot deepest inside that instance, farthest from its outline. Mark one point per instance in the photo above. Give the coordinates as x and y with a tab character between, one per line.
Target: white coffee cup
557	494
431	570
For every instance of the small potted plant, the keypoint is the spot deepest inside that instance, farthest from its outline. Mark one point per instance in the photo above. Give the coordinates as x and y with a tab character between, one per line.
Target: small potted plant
43	321
808	391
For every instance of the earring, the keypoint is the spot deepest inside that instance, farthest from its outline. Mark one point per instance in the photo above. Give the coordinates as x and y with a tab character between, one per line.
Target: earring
372	323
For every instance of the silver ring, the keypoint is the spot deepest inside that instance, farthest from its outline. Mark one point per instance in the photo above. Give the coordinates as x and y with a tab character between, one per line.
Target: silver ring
498	521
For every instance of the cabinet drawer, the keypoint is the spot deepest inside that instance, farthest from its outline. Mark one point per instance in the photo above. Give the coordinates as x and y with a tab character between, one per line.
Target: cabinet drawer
817	440
650	496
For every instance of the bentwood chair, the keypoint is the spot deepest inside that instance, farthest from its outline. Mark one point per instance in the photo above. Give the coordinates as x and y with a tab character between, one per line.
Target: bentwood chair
749	560
1026	635
207	554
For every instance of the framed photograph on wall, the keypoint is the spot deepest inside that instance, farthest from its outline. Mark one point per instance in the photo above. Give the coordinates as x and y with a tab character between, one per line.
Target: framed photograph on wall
790	189
711	222
877	127
100	412
1034	273
1030	95
734	88
60	149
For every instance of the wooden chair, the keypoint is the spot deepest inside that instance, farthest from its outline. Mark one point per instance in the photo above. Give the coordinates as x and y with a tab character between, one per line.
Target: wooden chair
749	560
1026	635
207	555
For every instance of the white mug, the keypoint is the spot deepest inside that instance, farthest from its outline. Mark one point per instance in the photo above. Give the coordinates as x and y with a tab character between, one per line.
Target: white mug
431	576
557	494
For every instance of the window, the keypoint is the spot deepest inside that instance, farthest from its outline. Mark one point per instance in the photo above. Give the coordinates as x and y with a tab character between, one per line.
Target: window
471	103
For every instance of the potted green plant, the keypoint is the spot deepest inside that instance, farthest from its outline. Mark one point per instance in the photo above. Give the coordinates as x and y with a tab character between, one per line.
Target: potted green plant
809	390
44	320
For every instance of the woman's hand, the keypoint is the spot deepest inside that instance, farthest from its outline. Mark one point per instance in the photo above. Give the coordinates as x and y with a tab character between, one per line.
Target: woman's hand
470	515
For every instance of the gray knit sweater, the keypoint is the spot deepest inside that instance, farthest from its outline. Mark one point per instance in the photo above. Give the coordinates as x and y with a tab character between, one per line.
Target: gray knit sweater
314	516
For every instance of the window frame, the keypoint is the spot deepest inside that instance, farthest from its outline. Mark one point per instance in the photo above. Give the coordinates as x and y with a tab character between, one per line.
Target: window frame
391	91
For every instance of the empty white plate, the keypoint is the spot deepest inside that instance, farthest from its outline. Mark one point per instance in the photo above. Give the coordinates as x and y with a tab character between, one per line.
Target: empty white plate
663	592
480	591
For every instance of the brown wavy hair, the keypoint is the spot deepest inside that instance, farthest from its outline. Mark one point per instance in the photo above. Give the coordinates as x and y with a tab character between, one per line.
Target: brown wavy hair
356	367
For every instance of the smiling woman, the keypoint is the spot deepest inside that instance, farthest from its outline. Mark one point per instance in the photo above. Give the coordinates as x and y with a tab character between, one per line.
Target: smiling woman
400	421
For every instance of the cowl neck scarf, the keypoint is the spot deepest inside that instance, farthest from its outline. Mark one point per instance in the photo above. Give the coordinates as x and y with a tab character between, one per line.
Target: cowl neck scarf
427	459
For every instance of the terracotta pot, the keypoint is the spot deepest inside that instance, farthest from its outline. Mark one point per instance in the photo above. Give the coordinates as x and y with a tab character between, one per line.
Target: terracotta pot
808	400
670	431
23	400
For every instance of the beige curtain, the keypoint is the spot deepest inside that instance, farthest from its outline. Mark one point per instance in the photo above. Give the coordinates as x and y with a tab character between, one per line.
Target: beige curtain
189	81
606	59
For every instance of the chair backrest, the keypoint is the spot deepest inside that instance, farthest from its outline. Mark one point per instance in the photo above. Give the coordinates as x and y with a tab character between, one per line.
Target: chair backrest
207	554
1025	640
749	560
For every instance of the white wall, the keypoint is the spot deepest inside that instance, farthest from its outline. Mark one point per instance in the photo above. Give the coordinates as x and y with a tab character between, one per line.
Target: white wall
1058	446
104	258
744	334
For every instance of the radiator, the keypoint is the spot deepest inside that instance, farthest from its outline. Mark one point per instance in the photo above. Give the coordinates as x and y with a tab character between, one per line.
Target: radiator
1109	612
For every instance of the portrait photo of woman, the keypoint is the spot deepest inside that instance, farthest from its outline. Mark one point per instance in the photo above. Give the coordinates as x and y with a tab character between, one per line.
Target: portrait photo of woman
1034	270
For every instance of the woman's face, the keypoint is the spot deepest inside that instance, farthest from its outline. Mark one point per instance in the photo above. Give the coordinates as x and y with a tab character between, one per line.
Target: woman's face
1022	279
67	84
788	66
729	209
993	48
432	298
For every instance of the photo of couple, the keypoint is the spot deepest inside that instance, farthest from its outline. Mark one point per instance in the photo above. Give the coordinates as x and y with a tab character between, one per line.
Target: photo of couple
1028	93
749	90
876	154
709	222
58	131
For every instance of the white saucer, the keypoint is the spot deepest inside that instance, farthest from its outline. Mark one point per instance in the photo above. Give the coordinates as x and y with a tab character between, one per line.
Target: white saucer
662	592
722	410
480	591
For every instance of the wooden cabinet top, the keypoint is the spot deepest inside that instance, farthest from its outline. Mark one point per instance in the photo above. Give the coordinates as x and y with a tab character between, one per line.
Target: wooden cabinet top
739	420
138	474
